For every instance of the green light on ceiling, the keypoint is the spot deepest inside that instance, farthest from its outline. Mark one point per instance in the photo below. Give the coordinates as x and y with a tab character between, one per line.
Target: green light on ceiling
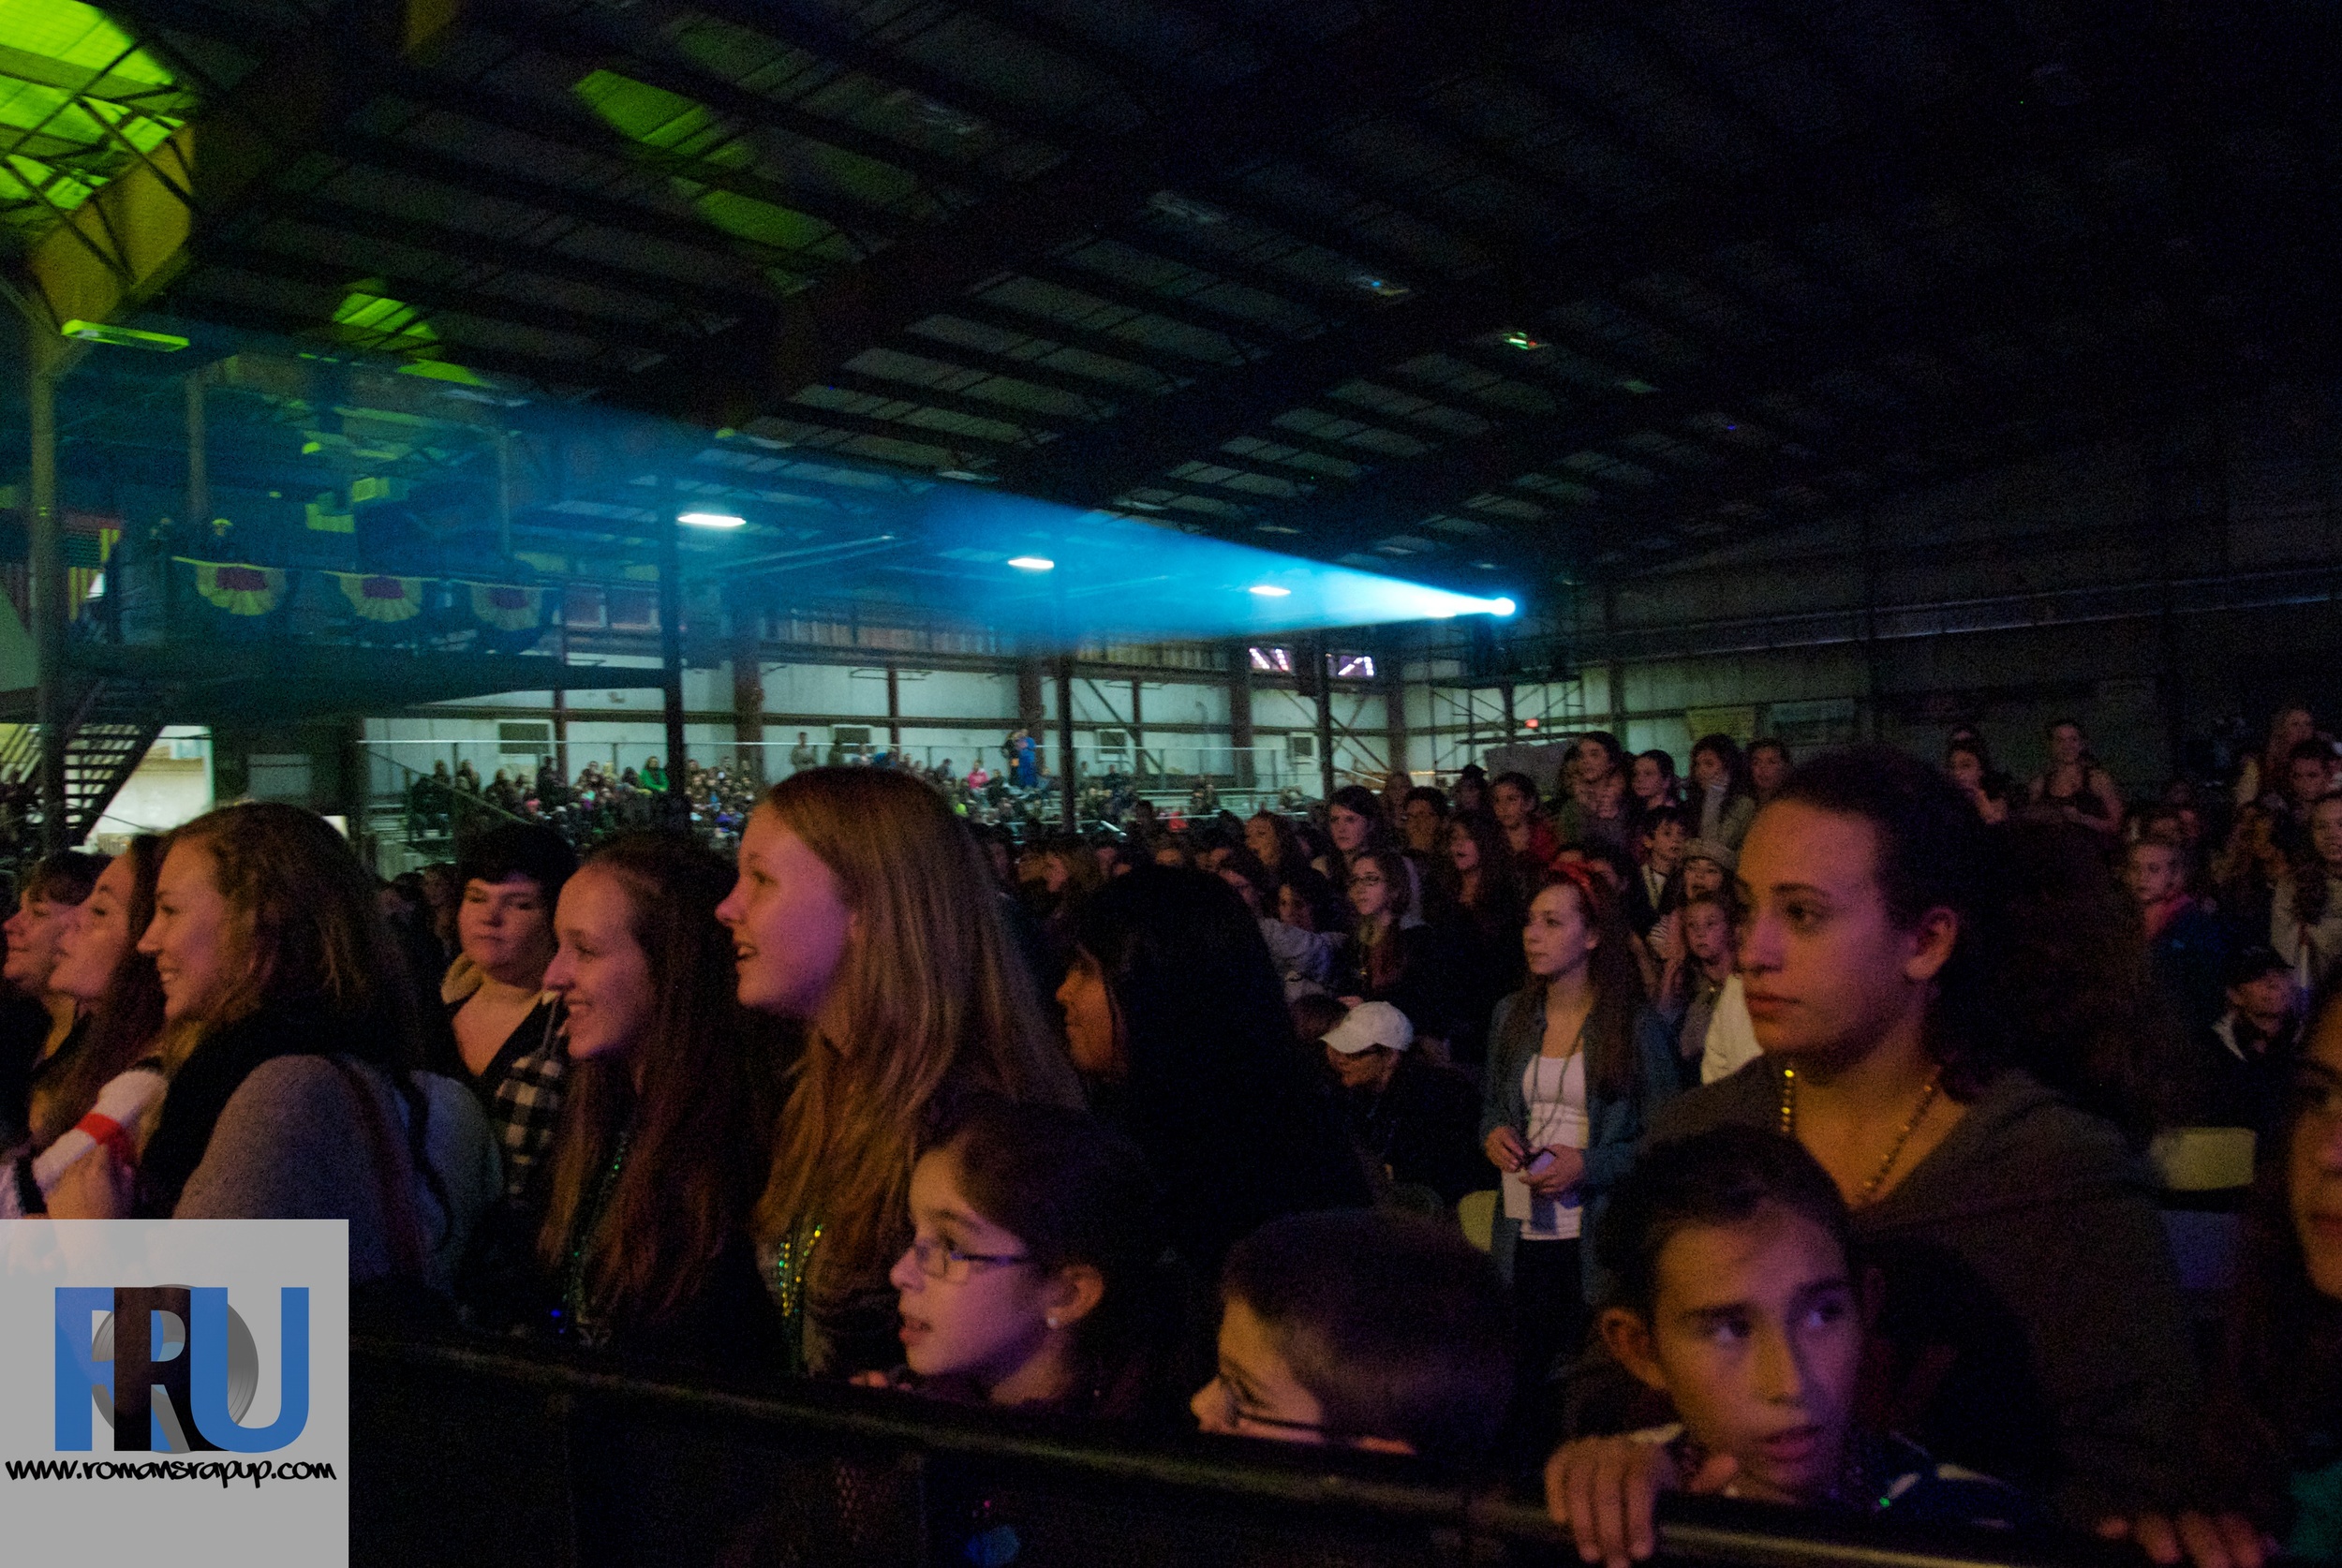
79	102
685	132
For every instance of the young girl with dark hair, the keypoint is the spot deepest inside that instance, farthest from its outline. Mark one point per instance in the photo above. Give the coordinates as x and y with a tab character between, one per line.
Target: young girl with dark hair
644	1244
1529	837
2273	1432
864	913
105	1079
289	1045
1029	1278
1390	959
1479	908
1723	800
1178	1020
2032	1315
2305	916
1577	1065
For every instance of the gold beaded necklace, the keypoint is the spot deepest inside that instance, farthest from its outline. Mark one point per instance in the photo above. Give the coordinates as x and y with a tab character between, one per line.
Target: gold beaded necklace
1870	1188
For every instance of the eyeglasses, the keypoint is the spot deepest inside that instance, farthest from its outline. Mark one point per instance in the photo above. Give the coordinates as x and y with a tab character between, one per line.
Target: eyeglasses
941	1260
1238	1414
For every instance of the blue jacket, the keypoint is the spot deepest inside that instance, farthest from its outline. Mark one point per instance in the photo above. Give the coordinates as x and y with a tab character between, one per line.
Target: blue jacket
1614	1127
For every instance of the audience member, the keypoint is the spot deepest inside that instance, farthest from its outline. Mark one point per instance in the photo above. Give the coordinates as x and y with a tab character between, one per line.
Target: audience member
1653	785
100	968
1371	1330
2305	916
1177	1022
290	1045
1598	813
1692	985
1966	764
504	1033
1768	767
1578	1066
863	912
1513	796
1029	1278
2269	772
2277	1387
1738	1298
2073	788
36	1018
1414	1120
1423	821
1656	888
1390	959
2032	1318
1479	908
643	1246
1723	799
2248	1056
2186	943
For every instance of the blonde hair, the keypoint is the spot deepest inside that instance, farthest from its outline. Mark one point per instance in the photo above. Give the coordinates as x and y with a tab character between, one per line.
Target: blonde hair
929	989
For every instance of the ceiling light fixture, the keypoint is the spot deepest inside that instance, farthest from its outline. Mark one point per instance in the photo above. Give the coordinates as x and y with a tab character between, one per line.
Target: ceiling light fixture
1269	590
1523	340
1032	563
712	520
123	337
1381	287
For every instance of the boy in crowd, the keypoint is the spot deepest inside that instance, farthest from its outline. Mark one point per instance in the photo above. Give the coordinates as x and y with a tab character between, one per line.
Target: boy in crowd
1654	891
1416	1122
1365	1328
2186	943
1735	1295
2250	1052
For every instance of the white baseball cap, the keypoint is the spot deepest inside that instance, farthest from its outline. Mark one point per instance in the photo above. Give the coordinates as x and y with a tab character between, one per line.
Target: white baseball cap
1368	1024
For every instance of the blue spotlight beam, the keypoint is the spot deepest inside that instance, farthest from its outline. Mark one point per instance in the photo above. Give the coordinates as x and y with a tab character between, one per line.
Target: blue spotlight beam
1111	577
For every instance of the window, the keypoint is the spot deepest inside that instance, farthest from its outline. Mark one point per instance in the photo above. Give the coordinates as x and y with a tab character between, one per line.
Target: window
852	739
1114	743
1302	749
1273	661
1354	667
529	740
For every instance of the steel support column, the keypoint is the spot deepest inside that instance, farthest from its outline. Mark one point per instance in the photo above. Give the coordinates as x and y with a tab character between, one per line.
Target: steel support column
44	360
1065	739
671	640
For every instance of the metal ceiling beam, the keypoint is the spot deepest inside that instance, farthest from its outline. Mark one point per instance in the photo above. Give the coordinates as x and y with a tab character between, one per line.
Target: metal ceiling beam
1378	60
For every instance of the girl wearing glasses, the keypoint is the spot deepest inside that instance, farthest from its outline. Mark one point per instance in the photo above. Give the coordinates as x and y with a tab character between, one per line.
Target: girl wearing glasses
1026	1281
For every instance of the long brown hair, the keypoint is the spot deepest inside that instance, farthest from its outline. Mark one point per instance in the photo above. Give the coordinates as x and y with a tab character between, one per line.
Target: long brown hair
697	1146
1613	1067
930	988
126	1020
305	928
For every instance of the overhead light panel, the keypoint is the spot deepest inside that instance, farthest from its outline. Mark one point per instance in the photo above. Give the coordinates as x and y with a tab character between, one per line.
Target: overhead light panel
712	520
1523	340
1032	563
123	337
1270	590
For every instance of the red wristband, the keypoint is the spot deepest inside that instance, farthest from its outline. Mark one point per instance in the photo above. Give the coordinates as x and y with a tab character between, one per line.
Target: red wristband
109	1132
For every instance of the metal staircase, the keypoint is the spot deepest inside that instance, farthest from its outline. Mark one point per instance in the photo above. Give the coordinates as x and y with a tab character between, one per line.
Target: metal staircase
112	727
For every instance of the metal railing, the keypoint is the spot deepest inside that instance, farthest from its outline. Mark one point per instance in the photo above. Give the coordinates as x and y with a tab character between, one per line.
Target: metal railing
465	1454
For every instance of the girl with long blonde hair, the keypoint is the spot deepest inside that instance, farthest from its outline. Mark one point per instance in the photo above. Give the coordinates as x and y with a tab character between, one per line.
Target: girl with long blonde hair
864	912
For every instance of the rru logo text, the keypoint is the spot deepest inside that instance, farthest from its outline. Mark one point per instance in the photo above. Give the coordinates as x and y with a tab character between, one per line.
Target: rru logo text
173	1369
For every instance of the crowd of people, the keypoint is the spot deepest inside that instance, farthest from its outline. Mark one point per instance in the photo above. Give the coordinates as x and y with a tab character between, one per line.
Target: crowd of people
1774	1128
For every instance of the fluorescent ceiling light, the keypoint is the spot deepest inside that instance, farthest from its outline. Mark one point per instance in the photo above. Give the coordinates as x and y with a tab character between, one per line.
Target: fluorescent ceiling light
1269	590
123	337
1503	607
712	520
1032	563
